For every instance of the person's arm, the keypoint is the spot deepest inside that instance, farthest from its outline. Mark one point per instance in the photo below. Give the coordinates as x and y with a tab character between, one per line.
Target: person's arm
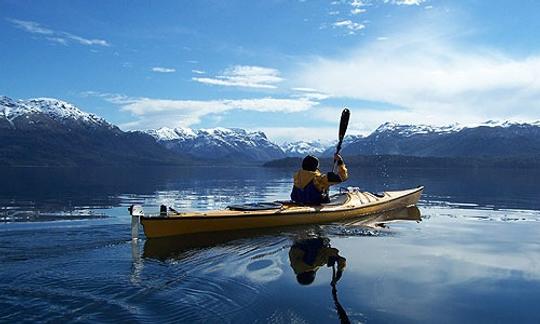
341	175
333	257
324	181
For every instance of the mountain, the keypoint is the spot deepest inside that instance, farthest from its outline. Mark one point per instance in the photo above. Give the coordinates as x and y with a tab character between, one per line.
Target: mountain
490	139
218	143
317	147
303	148
51	132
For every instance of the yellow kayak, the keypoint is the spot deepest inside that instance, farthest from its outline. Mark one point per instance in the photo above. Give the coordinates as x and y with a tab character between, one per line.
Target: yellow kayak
342	207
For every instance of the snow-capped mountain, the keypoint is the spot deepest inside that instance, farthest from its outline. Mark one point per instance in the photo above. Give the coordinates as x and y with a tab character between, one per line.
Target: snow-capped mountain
218	143
412	130
303	148
491	138
406	130
41	112
317	147
50	132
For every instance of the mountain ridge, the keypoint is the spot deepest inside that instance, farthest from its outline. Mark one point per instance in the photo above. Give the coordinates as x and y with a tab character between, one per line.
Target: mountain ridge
218	143
50	132
47	131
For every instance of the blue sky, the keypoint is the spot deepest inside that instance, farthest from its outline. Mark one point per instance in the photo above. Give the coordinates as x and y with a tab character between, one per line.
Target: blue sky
285	67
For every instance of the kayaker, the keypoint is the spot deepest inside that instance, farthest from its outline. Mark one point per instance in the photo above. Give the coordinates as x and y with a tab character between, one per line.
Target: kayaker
311	186
308	255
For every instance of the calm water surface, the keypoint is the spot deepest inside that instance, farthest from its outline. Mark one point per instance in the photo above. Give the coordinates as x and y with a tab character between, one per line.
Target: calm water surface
66	253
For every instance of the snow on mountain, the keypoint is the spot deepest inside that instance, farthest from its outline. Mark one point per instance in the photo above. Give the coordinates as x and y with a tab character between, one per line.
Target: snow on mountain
50	132
411	130
490	138
504	124
216	143
406	130
58	110
171	134
303	148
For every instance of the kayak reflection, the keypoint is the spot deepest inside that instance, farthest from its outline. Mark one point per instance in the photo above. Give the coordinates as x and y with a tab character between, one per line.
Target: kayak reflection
307	256
175	247
380	219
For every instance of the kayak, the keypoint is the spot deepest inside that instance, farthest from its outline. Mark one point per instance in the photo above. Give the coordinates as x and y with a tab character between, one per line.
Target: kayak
347	206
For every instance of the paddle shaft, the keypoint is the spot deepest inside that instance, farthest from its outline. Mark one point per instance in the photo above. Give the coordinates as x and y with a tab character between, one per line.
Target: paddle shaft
343	124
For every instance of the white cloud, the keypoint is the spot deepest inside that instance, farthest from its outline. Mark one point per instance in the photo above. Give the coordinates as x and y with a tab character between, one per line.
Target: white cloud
61	37
310	93
305	89
85	41
245	76
58	40
356	11
31	27
155	113
350	25
434	79
160	69
358	3
198	72
409	2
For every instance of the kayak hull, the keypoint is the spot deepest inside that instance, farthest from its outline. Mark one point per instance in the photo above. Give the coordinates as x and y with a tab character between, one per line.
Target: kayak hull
353	206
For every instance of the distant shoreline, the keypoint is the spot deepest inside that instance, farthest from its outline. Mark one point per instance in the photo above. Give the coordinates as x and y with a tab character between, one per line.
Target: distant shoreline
416	162
364	161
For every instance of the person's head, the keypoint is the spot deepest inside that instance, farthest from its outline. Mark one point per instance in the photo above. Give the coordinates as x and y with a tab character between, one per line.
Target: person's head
306	278
310	163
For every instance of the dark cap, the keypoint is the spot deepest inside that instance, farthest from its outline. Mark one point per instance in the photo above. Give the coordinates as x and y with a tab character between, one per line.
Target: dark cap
310	163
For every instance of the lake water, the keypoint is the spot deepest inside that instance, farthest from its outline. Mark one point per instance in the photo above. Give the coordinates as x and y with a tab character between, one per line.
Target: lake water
66	252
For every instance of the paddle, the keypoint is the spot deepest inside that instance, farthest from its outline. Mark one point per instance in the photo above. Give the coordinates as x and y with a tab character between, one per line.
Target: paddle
344	122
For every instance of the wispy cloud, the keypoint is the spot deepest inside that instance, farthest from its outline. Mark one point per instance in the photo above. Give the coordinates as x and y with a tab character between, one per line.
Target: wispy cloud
358	3
432	78
310	93
31	27
198	72
61	37
408	2
356	11
155	113
358	7
160	69
245	76
350	25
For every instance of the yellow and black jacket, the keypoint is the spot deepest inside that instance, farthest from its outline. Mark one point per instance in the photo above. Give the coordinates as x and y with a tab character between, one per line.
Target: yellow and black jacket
311	187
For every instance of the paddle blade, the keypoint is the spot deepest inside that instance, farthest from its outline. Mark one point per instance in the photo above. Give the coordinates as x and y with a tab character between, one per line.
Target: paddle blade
344	123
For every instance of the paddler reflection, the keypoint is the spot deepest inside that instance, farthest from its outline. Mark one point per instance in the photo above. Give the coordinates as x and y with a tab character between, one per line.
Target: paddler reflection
308	255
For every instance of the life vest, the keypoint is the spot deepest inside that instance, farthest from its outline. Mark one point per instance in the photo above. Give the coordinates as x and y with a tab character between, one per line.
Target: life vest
309	195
